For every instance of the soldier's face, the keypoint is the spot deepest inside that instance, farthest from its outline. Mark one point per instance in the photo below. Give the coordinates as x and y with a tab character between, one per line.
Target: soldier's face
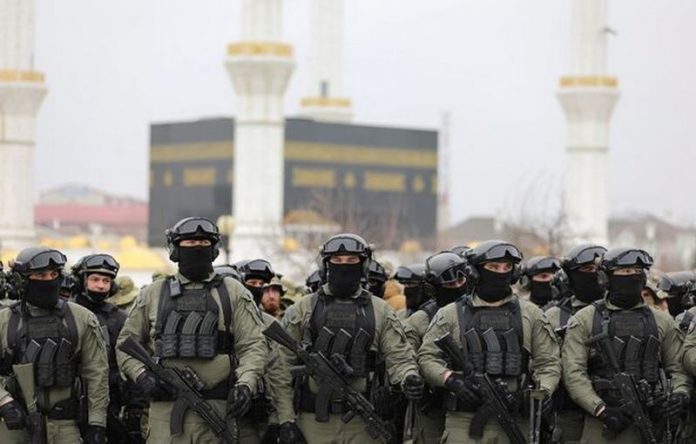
461	280
254	283
98	283
46	275
344	259
498	267
628	271
195	243
546	276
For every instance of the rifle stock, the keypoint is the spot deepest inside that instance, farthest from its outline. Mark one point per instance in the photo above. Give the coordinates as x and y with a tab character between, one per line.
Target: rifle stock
36	423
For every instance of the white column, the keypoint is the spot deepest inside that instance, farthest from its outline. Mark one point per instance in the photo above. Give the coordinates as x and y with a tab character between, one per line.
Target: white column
260	66
325	99
22	91
588	96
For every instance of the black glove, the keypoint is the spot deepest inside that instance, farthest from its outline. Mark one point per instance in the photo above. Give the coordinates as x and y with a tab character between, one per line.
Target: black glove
674	407
146	382
413	387
95	435
289	433
271	435
14	415
463	389
614	419
132	419
239	400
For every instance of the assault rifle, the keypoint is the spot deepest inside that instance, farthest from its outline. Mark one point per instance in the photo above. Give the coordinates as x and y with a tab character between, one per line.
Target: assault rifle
634	394
188	386
495	397
333	372
36	423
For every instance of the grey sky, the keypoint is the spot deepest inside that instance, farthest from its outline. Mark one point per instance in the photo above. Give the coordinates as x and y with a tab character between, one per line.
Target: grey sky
114	67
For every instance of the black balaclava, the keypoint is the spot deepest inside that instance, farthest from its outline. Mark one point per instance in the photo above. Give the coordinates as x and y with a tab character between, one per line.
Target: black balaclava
674	305
447	295
196	263
376	287
256	292
625	291
492	286
585	286
344	279
413	296
541	292
43	294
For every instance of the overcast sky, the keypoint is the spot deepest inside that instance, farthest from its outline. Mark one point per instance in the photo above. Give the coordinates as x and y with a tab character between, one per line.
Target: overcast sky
115	67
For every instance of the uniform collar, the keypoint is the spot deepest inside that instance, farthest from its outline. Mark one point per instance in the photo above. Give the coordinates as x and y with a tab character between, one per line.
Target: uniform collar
613	307
476	301
184	280
327	291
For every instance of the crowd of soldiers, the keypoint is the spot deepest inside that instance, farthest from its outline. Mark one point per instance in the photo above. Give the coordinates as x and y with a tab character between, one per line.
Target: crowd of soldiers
484	347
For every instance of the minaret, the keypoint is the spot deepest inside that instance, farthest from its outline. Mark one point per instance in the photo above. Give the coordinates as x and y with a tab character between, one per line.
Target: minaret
260	66
325	100
588	96
22	91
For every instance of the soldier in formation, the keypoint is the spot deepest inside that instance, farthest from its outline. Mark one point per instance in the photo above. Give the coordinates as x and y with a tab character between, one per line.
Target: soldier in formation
340	364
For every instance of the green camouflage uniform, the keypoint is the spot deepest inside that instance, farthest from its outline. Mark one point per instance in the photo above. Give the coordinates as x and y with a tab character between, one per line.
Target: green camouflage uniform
538	338
575	371
249	348
92	368
389	343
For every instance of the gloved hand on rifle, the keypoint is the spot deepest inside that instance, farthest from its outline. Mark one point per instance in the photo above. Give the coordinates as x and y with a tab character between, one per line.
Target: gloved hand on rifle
462	388
239	401
413	387
13	414
289	433
614	419
146	382
95	435
675	406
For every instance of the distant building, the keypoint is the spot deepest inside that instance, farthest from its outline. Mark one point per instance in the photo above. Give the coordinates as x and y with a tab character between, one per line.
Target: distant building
673	247
76	209
379	181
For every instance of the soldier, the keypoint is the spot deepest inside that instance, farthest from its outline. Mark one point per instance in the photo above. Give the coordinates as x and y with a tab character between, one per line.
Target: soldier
445	282
225	349
63	341
342	306
94	282
124	298
680	289
313	282
272	298
411	277
508	341
620	336
579	286
376	278
255	274
537	279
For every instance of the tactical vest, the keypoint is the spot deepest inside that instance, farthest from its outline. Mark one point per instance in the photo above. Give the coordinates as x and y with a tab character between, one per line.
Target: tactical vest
345	328
187	321
635	340
430	308
492	337
49	341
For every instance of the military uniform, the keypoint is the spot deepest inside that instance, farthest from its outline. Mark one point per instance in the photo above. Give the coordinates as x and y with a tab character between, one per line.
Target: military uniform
533	333
570	417
57	395
239	343
254	424
125	297
430	417
387	342
582	362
